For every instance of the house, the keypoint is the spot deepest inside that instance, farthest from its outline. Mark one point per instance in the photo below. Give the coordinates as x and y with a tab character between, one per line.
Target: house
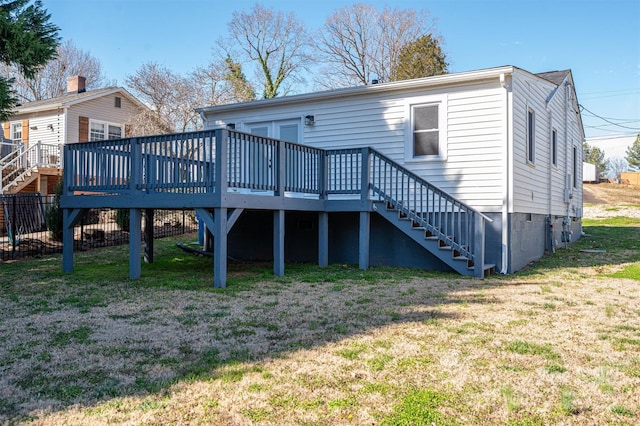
472	172
504	141
38	129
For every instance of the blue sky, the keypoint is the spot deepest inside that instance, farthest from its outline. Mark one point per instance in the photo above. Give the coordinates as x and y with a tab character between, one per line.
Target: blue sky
599	40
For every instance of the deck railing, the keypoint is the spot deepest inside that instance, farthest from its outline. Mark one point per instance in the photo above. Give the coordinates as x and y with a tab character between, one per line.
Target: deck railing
189	163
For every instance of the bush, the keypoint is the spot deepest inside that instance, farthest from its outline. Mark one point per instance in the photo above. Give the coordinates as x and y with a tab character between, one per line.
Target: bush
53	214
122	219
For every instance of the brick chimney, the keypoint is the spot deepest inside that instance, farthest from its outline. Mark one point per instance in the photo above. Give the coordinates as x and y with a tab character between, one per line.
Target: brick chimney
76	84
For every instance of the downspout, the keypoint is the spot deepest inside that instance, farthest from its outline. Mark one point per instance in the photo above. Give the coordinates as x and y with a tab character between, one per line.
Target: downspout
507	170
566	222
549	221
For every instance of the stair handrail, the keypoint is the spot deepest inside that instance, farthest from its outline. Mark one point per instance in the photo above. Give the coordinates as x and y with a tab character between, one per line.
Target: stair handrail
397	186
17	150
20	165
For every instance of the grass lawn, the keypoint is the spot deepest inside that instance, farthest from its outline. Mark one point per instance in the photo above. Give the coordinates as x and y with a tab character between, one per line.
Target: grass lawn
557	343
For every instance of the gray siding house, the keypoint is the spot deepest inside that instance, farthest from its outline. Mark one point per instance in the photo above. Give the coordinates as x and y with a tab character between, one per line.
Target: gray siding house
504	141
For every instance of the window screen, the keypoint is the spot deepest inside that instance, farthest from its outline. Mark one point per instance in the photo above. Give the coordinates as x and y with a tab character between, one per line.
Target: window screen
426	135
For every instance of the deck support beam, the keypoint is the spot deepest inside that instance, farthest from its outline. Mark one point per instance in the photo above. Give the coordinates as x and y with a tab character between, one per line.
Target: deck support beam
70	217
323	239
219	247
363	240
148	235
135	243
278	243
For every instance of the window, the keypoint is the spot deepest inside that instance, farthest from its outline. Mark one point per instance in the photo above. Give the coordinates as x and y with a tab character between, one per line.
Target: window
118	103
575	167
554	147
99	130
531	134
426	134
16	132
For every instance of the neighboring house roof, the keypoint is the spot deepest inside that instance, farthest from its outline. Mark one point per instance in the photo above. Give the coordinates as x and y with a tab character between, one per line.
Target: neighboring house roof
555	77
70	99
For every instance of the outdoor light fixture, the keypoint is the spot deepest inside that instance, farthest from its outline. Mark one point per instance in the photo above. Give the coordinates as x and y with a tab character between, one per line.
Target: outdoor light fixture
309	120
50	127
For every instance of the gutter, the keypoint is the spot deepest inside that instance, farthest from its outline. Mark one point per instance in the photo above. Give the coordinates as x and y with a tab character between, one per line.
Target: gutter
420	83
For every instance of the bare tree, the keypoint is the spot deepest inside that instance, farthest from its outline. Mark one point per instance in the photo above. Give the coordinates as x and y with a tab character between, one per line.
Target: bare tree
173	98
616	166
276	42
51	80
359	43
167	94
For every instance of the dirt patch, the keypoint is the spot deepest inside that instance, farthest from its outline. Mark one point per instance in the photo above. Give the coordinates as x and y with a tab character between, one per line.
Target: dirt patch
609	193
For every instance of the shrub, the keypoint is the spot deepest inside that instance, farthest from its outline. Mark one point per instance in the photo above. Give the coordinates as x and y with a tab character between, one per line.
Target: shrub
53	214
122	219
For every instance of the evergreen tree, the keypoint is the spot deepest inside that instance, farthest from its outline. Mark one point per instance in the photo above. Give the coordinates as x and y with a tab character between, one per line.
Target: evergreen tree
242	89
594	155
28	40
422	57
633	155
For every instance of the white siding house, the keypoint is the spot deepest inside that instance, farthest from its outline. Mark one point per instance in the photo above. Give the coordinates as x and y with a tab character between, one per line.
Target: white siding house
505	141
46	125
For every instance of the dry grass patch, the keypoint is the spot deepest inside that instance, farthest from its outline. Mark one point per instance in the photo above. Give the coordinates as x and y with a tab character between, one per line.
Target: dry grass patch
554	344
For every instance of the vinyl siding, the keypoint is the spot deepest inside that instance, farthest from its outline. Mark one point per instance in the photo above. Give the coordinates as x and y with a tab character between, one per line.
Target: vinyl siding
474	131
102	109
39	130
540	188
530	180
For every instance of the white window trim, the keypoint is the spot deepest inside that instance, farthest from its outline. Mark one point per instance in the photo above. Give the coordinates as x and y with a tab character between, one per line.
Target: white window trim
106	127
272	126
554	161
12	124
531	161
441	101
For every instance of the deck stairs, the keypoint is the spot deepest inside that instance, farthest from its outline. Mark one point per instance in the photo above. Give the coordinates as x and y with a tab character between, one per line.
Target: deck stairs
438	222
22	167
430	238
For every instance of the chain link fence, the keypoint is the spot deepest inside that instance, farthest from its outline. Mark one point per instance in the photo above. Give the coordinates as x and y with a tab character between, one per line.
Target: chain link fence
24	233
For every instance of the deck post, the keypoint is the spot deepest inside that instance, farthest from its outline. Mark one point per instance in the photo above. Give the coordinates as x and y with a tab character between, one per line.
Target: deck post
478	246
222	135
363	243
281	169
220	247
278	243
364	174
135	243
148	235
323	239
70	217
67	241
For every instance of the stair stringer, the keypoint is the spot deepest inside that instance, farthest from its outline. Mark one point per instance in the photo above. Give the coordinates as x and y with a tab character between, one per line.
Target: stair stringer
431	244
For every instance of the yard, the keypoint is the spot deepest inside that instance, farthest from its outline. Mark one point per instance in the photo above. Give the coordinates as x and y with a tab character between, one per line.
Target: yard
557	343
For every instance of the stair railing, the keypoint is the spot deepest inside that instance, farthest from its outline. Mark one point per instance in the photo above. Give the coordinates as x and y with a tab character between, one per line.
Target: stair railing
453	222
22	162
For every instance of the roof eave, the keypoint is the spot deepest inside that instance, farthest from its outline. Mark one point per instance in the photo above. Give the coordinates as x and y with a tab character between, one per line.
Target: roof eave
435	81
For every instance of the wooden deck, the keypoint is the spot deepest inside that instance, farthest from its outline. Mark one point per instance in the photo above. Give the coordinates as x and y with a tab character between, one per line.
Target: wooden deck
219	173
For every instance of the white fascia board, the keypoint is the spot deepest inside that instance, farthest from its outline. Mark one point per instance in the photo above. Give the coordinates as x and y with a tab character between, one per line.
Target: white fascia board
421	83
